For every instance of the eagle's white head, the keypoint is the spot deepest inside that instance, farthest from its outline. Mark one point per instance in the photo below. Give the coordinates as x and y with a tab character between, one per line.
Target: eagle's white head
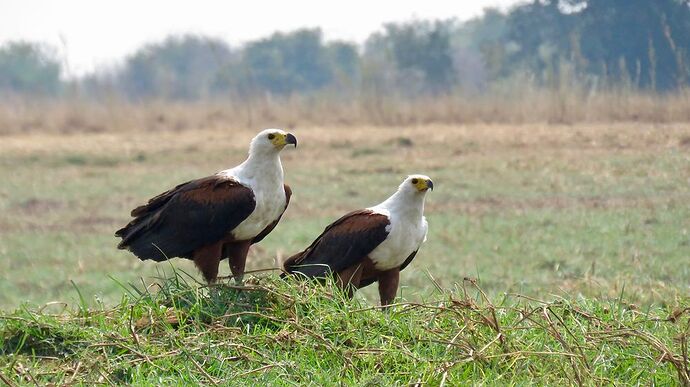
271	141
416	185
409	198
263	164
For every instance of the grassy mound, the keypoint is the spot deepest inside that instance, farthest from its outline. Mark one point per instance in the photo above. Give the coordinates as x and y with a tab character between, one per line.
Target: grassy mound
285	333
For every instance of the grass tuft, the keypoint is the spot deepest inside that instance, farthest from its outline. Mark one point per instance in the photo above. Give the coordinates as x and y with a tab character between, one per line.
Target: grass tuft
274	331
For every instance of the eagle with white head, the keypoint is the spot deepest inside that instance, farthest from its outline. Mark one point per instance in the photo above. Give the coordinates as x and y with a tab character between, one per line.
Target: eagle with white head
370	245
215	217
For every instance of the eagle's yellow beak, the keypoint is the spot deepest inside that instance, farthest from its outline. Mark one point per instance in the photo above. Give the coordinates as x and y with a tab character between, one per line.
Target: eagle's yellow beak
280	140
425	184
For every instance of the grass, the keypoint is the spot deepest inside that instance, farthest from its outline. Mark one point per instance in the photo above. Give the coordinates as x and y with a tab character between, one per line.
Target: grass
544	210
587	223
273	332
569	102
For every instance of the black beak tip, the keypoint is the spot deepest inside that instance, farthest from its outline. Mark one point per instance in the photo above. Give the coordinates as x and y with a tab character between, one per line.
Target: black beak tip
430	184
291	139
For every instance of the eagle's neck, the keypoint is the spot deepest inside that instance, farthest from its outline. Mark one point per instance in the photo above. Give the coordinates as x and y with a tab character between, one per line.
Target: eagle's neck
404	204
262	168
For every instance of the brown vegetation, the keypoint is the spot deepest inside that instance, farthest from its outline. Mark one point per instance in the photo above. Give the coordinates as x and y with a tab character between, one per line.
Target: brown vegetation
528	105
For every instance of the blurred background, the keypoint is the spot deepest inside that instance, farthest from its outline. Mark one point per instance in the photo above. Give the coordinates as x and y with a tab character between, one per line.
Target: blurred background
557	131
556	60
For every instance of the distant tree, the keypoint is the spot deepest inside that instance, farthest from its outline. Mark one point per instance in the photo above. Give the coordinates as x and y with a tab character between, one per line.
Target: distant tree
646	41
479	49
295	62
178	68
380	78
423	47
542	34
344	60
638	42
29	68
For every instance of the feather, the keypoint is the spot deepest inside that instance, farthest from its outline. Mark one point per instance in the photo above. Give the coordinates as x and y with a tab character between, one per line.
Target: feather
344	243
190	216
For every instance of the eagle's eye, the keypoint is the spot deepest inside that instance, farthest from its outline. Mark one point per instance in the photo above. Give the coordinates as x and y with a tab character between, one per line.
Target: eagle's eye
415	181
271	136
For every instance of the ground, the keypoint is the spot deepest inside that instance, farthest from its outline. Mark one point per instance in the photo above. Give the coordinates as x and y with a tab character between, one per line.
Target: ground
599	210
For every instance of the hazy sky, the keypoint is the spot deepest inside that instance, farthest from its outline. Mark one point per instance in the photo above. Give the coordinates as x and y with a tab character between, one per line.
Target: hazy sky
89	33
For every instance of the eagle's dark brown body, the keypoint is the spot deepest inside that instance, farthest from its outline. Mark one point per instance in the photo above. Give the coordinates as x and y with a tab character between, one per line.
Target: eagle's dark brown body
342	251
195	221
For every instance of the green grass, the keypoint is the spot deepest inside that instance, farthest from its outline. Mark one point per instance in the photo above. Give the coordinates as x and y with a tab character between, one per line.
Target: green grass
273	332
541	211
592	220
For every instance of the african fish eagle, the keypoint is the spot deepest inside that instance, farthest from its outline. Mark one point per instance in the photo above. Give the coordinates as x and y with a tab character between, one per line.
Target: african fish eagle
370	245
215	217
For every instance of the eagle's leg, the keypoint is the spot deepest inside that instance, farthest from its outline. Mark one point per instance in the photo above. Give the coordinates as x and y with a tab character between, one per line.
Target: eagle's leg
388	286
207	259
236	253
349	279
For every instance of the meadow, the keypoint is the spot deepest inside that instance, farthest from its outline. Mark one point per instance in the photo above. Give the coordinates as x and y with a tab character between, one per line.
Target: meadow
592	212
538	209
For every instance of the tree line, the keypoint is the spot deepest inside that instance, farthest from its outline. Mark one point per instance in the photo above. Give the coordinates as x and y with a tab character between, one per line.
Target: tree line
637	44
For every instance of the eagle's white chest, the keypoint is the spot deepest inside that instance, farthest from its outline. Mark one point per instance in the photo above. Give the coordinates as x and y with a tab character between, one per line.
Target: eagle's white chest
405	235
270	203
265	178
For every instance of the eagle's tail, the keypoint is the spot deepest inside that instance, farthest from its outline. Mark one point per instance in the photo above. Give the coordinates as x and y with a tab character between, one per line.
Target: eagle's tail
287	266
299	266
141	239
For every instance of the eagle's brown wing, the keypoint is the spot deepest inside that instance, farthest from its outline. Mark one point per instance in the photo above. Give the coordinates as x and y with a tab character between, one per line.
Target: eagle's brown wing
189	216
344	243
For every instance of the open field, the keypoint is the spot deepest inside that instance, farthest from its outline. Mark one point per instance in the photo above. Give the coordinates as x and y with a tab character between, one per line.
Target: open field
542	210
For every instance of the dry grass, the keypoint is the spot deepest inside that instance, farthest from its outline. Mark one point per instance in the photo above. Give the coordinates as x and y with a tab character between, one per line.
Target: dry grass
515	107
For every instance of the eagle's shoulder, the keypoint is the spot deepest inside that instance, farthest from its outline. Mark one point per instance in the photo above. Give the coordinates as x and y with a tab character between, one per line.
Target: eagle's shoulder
216	187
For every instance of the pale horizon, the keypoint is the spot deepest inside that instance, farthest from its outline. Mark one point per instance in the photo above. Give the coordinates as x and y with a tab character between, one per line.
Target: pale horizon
114	30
